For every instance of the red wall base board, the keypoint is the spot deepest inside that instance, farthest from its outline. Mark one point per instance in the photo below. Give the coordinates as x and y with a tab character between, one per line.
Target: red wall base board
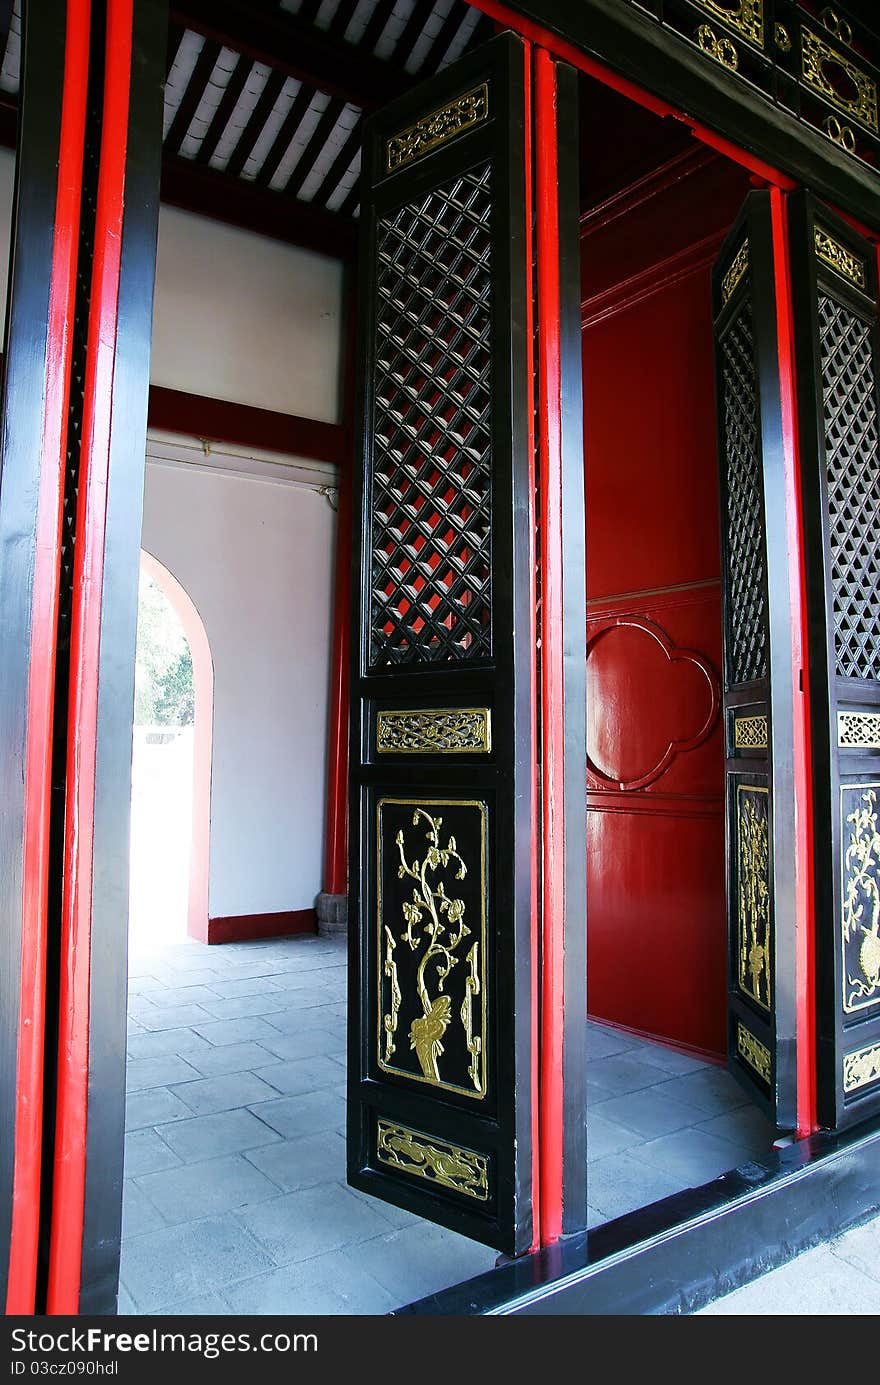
239	928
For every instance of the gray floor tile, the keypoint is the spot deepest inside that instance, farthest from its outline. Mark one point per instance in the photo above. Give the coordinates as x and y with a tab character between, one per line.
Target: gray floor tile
226	1093
217	1060
621	1182
311	1043
205	1306
143	1073
138	1213
418	1261
164	1041
302	1075
244	1006
227	1132
180	1262
817	1283
326	1285
303	1115
603	1041
314	1016
171	1016
693	1156
746	1126
311	1221
155	1107
651	1112
671	1060
861	1248
182	995
146	1152
303	1163
606	1137
247	985
240	1031
624	1072
206	1189
713	1090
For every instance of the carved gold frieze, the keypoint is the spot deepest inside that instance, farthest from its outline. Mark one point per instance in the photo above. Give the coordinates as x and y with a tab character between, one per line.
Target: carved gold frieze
858	730
861	1068
424	1156
431	925
860	933
738	267
750	733
753	891
839	27
718	47
839	258
747	18
756	1054
437	128
435	731
838	79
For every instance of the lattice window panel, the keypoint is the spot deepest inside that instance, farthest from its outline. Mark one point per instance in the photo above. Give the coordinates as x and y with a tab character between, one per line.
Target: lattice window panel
431	467
746	575
852	467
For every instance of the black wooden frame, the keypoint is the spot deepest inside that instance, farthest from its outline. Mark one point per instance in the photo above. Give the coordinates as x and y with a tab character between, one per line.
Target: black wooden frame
500	1126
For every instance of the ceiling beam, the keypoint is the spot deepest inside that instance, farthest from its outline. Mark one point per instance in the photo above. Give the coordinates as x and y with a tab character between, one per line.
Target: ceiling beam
299	50
210	193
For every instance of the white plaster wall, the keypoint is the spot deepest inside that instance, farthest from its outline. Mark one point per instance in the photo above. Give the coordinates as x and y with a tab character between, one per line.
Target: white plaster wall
256	558
241	317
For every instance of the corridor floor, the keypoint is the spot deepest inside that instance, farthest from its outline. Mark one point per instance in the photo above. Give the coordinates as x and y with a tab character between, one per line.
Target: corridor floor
235	1198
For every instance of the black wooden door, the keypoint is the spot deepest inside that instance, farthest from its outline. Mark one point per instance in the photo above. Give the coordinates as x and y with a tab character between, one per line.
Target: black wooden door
835	294
442	870
757	668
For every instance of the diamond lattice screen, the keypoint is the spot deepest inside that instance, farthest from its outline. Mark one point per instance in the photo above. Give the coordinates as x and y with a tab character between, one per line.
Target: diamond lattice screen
431	464
852	468
746	617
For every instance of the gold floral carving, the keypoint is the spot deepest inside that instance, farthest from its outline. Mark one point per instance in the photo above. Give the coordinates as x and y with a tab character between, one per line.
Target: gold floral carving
839	258
389	1020
756	1054
441	731
437	128
747	19
858	730
738	267
750	733
861	897
861	1068
753	891
718	47
423	1156
820	63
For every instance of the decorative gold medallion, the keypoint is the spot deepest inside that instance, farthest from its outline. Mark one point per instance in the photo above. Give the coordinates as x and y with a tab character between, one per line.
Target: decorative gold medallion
718	46
861	1068
431	904
782	38
424	1156
750	733
738	267
860	896
440	731
747	18
839	258
437	128
756	1054
838	79
753	891
858	730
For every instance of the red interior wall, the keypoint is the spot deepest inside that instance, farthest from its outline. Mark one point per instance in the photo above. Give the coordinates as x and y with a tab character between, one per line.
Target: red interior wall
655	826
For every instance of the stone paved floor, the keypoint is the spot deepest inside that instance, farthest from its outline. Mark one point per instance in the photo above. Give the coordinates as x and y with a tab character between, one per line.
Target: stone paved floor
235	1196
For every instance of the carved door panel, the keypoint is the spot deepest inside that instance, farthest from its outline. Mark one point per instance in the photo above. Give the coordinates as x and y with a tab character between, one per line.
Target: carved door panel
757	696
441	1024
836	295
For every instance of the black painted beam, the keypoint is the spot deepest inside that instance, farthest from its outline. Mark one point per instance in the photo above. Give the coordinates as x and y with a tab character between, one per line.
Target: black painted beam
296	49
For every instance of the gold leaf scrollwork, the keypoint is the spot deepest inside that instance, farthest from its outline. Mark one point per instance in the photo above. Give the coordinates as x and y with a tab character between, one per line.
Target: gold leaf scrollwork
738	267
839	27
389	1020
444	731
747	18
861	898
750	733
753	888
437	128
858	730
471	990
756	1054
782	38
718	47
839	80
861	1068
424	1156
839	258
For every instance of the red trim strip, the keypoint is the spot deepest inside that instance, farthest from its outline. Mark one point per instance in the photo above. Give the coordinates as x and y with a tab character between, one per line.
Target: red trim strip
73	1044
41	682
552	673
535	849
239	928
805	941
222	420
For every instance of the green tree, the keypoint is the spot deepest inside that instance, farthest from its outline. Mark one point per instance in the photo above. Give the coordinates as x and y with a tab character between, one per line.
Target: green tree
164	693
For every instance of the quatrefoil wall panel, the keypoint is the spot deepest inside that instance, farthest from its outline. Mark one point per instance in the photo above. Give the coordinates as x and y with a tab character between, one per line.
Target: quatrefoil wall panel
852	462
430	487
